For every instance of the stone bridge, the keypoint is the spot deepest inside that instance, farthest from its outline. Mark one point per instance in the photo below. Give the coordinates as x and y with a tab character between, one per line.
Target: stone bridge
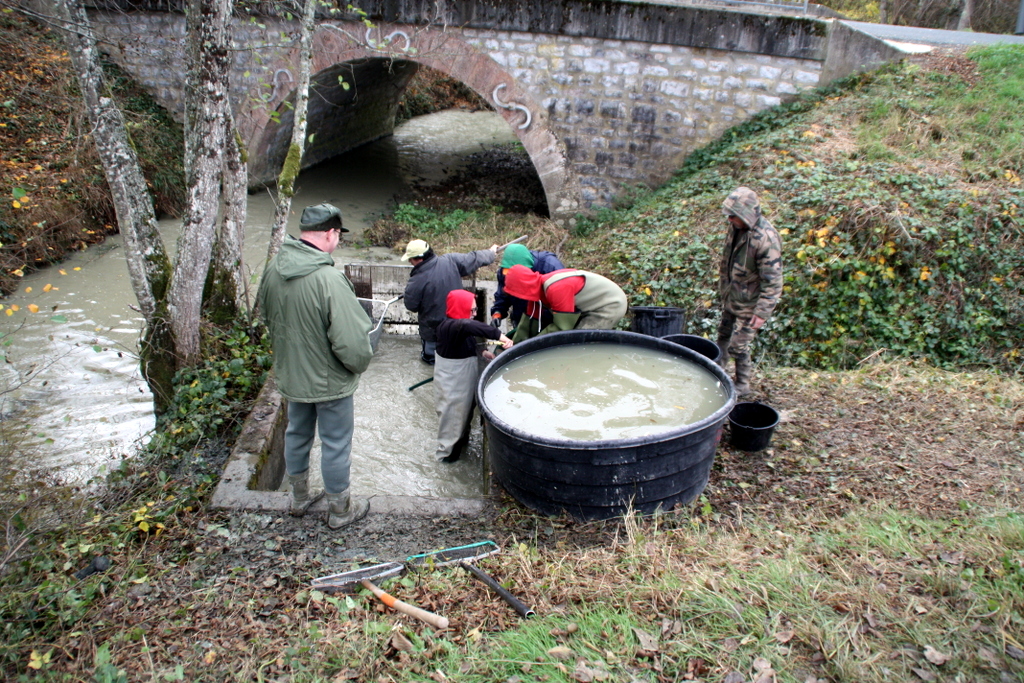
603	94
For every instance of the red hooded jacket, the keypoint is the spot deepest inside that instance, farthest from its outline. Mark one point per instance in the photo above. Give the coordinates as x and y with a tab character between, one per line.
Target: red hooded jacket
560	297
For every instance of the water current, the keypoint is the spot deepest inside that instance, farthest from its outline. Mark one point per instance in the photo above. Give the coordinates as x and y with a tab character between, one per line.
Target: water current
72	385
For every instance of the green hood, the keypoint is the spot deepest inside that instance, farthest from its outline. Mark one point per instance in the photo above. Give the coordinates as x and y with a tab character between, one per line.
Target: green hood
298	259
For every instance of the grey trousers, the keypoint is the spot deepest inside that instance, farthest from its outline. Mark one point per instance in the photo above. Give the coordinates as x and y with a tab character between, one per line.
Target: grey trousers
455	392
336	422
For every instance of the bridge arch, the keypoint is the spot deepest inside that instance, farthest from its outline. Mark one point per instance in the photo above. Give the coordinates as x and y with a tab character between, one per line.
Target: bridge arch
376	65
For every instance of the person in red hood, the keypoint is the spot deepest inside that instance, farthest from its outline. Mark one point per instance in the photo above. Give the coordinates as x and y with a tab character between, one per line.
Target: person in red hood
577	299
456	371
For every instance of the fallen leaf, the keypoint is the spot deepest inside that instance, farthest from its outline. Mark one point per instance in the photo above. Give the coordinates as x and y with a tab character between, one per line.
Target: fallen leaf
784	636
587	674
934	656
730	644
560	652
991	657
952	558
923	674
648	643
760	664
400	642
734	677
1015	652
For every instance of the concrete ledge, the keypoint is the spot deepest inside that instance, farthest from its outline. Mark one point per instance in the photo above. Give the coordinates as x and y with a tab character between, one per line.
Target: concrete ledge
255	469
251	464
852	51
397	506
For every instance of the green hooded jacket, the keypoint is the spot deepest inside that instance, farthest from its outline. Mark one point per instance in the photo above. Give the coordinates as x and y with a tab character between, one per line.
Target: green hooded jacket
318	330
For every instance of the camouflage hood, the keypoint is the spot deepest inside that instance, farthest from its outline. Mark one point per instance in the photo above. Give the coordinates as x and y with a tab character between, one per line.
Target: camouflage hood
743	203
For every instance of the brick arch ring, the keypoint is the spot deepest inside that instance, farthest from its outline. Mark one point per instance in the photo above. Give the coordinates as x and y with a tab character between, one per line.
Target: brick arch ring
337	42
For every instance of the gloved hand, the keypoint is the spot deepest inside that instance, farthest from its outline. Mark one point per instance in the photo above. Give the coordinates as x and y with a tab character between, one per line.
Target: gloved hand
496	319
562	322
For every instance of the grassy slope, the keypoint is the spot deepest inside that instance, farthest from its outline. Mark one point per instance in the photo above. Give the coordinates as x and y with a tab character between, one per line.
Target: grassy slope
900	203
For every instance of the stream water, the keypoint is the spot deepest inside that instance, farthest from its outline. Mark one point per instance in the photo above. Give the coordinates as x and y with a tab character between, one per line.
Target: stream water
72	387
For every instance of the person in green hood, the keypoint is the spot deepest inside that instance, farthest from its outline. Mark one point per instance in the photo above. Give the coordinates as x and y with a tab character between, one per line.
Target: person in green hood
511	307
319	334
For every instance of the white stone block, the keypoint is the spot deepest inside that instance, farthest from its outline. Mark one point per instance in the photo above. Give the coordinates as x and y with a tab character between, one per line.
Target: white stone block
718	66
581	50
702	94
675	88
626	69
785	88
768	101
655	71
769	72
662	48
757	84
743	99
711	80
596	66
732	82
698	64
806	78
500	58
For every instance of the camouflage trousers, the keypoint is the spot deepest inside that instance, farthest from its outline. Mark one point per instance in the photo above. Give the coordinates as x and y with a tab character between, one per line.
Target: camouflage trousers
735	334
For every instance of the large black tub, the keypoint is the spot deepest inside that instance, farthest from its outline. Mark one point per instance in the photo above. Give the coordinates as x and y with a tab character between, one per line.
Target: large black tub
604	479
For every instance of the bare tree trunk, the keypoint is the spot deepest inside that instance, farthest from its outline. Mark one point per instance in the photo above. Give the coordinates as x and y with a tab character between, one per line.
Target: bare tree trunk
225	292
205	133
883	11
293	161
964	24
148	266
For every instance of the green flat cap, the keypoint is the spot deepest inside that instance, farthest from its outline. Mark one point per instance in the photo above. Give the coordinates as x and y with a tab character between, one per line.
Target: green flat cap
319	218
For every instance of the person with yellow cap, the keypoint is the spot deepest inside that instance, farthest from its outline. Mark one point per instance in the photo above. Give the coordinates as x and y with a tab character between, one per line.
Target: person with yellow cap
511	307
432	277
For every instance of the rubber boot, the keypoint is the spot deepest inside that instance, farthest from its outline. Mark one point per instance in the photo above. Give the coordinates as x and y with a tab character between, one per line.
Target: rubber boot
302	498
744	368
343	509
723	354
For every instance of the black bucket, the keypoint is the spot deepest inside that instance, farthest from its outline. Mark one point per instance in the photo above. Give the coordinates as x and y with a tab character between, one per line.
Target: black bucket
658	321
704	347
751	426
603	479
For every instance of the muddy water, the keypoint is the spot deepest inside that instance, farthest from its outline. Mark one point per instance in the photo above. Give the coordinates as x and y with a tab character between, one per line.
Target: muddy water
72	382
593	392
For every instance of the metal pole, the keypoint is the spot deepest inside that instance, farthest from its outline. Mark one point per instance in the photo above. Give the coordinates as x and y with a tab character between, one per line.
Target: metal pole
1020	19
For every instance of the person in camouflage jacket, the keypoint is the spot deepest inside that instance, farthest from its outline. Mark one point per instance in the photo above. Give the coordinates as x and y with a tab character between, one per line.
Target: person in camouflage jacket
750	280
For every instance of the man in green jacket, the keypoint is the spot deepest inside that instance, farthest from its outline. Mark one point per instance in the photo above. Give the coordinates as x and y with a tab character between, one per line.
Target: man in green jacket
750	280
320	338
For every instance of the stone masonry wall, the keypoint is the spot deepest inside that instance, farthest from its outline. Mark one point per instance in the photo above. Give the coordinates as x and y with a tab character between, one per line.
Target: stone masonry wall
629	112
626	112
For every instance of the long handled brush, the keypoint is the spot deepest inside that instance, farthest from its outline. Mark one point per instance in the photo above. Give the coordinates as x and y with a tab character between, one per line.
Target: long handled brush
464	556
366	576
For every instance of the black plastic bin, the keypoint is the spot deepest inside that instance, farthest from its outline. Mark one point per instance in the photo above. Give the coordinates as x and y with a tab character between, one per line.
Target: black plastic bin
603	479
751	426
704	347
658	321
